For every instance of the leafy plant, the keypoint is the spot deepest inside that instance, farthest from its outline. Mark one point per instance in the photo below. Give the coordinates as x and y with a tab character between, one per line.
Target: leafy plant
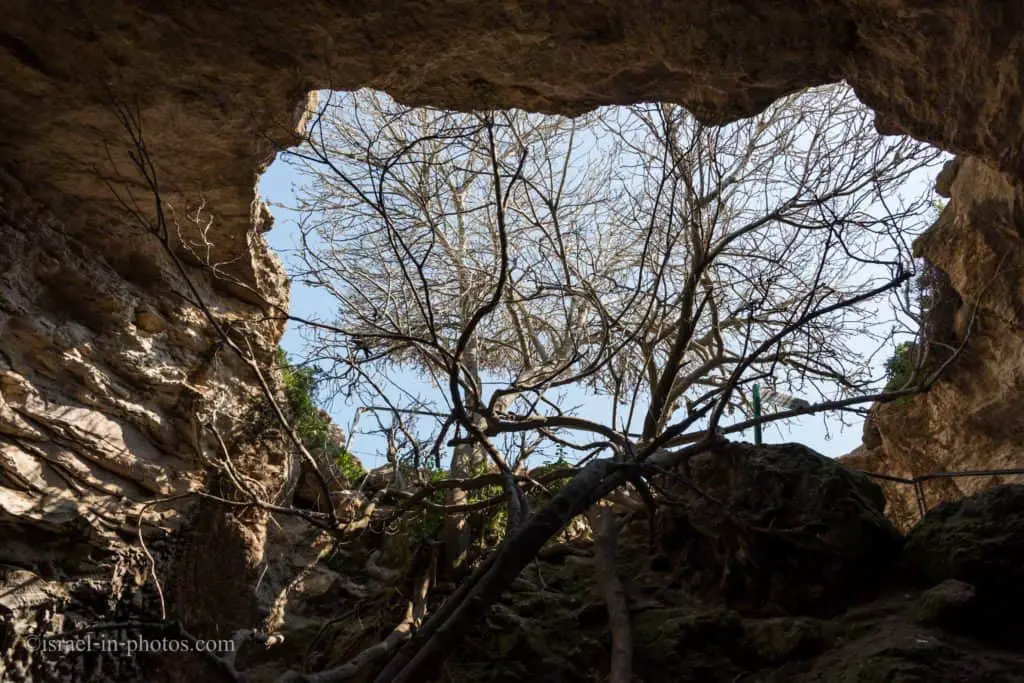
900	367
426	524
559	463
938	302
313	426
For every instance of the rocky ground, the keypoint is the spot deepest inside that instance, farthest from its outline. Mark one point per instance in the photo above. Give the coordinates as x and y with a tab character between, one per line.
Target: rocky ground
783	568
813	584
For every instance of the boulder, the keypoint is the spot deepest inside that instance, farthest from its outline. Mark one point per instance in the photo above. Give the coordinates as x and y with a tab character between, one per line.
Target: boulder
949	605
777	529
980	541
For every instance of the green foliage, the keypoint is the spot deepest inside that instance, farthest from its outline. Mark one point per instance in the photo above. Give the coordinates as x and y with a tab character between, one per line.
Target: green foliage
484	492
349	465
311	424
900	367
937	302
426	524
493	519
559	463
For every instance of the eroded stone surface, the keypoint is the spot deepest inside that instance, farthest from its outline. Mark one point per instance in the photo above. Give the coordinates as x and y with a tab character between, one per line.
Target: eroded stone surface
971	418
107	377
220	87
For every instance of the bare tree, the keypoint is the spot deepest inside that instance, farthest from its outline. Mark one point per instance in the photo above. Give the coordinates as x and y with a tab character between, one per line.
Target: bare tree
638	252
633	253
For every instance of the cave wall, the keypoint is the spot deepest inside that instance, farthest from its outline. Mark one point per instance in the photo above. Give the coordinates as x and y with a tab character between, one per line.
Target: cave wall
103	362
971	418
219	86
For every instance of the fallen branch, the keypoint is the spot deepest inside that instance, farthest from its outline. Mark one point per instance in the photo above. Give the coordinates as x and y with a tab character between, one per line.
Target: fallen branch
467	606
443	630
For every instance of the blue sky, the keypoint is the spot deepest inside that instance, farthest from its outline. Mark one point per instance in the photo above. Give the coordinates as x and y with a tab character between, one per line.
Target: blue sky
823	432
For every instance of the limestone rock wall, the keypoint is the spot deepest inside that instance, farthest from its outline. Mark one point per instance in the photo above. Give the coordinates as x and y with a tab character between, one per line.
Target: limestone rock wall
974	415
972	418
107	375
218	85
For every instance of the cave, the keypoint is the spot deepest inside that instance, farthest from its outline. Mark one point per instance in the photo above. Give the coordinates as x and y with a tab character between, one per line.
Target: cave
109	397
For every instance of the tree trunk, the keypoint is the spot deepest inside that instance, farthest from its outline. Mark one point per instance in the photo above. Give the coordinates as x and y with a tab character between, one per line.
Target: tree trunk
467	461
449	624
606	531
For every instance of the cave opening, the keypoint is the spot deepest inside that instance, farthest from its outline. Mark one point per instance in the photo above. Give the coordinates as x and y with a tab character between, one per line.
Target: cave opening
353	181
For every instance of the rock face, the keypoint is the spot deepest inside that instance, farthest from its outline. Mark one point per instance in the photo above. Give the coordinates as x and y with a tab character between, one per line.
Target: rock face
226	80
978	243
970	419
108	377
820	538
106	371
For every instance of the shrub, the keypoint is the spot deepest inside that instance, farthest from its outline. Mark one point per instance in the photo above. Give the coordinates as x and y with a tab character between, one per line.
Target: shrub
900	367
938	302
312	425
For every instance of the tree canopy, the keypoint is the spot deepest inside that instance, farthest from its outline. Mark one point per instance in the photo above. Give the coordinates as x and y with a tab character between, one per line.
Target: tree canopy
632	253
